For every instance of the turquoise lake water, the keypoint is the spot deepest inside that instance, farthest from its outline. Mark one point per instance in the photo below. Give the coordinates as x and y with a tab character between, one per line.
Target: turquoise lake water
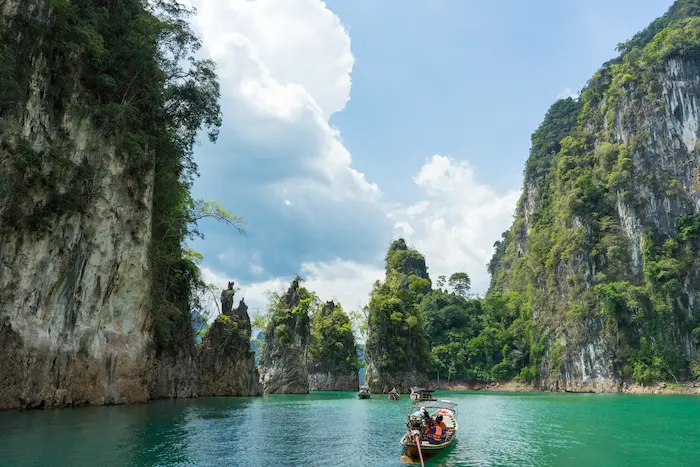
338	429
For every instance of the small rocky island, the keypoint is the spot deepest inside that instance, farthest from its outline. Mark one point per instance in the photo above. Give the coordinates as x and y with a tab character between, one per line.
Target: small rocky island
397	349
226	360
283	364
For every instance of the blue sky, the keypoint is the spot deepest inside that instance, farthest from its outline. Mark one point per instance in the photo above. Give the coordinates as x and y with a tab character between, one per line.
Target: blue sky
349	123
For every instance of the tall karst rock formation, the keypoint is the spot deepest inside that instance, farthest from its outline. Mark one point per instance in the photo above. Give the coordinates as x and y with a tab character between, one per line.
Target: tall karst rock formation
94	289
397	350
226	359
602	257
283	367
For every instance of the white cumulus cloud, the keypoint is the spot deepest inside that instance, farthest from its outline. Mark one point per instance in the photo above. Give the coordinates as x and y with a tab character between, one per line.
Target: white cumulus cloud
284	67
458	222
566	93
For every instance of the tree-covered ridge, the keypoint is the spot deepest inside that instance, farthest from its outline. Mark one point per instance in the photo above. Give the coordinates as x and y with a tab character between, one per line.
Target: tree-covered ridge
332	348
479	340
442	333
396	335
567	263
132	68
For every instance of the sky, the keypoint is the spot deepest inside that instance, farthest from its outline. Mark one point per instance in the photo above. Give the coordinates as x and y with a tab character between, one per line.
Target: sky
347	124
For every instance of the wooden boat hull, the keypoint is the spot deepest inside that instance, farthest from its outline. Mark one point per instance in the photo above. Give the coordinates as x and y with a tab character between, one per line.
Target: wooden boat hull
363	396
412	450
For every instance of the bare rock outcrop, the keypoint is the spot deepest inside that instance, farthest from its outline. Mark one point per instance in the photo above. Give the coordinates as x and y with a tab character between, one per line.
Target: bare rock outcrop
226	360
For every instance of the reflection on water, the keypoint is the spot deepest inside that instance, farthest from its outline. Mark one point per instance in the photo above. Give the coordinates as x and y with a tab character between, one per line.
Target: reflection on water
338	429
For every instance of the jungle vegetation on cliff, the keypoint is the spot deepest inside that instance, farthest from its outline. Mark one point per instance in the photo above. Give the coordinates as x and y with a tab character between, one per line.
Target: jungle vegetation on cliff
332	348
133	68
567	267
396	327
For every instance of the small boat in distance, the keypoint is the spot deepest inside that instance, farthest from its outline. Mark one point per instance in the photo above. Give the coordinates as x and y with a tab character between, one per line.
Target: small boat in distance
363	393
421	394
393	395
417	424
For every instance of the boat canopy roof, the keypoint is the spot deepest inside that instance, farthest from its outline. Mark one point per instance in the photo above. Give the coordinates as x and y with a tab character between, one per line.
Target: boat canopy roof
420	390
437	404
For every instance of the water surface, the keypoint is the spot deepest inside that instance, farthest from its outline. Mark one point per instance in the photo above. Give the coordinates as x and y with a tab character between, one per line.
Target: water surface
338	429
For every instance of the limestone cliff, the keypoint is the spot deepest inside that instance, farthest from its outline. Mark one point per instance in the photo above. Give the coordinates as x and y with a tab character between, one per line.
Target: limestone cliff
226	361
285	350
88	175
332	361
397	350
602	256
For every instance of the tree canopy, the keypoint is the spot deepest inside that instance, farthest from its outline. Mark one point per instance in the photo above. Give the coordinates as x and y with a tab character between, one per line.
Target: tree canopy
332	347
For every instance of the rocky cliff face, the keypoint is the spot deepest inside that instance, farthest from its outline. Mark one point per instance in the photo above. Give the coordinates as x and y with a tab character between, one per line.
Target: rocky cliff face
602	256
226	361
74	248
332	353
327	381
284	359
381	382
77	191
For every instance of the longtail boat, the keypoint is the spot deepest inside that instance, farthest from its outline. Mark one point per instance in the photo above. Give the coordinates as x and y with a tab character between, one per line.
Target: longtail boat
363	393
417	423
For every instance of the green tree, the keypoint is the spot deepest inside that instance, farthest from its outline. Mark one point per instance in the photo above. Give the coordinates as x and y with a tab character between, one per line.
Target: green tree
332	347
460	283
440	283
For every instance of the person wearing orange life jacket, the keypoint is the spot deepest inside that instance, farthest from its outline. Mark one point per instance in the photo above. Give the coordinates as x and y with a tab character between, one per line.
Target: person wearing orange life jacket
428	426
435	434
439	421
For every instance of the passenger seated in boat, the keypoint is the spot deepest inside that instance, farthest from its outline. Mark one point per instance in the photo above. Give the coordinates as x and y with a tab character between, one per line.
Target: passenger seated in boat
442	425
428	426
435	434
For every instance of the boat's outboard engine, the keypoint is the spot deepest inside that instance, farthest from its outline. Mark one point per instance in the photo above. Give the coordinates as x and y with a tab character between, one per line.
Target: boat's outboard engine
415	425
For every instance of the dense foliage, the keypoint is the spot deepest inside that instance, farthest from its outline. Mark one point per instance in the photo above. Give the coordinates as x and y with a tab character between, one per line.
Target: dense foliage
445	332
288	317
332	347
396	335
132	68
476	339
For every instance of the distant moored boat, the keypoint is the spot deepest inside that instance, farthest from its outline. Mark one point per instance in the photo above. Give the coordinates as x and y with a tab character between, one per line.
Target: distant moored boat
393	395
363	393
421	394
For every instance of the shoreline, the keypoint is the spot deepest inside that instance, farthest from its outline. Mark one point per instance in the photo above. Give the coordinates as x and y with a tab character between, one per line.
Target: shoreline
658	388
688	388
